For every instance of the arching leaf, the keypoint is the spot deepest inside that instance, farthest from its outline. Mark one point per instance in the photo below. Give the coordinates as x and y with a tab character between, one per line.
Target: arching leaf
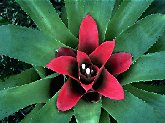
87	112
125	16
131	110
100	10
147	68
160	89
159	45
28	45
13	99
141	36
47	20
104	117
49	113
25	77
157	101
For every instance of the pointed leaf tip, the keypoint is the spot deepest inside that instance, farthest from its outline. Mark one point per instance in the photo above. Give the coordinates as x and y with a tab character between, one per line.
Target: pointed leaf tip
119	63
88	35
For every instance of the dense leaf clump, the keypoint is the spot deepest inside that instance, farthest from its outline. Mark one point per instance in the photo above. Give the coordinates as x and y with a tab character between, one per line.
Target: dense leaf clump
32	32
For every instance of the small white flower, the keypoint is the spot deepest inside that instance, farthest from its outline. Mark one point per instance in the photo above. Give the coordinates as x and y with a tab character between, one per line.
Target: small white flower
88	71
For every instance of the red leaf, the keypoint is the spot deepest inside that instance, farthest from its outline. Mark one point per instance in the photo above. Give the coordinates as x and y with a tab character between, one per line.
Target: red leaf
108	86
87	87
66	65
119	63
88	35
69	95
65	52
102	53
82	57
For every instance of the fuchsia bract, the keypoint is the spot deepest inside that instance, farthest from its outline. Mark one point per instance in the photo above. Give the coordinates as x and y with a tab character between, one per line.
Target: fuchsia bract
90	69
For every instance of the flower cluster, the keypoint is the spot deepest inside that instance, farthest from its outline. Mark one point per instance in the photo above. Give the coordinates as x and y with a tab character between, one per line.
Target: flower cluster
90	69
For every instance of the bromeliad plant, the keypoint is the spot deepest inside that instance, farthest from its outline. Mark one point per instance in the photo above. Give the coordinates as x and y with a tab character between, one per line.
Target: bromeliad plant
89	71
95	86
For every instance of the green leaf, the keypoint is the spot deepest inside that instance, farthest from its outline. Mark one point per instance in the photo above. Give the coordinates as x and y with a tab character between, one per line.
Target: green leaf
127	14
116	7
157	6
160	89
159	45
32	114
28	45
131	110
141	36
104	117
25	77
13	99
47	20
50	114
40	70
100	10
87	112
64	16
157	101
52	75
148	67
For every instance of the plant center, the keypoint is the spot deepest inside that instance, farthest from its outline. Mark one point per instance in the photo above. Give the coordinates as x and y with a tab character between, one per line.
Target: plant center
87	73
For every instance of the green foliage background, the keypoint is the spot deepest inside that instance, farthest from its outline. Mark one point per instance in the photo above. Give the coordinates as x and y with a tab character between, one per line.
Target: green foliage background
12	12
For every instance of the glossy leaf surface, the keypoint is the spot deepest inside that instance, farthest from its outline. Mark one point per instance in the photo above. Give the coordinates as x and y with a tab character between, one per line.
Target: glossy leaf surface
49	113
130	110
126	15
13	99
28	45
25	77
148	67
104	117
47	20
157	101
100	10
141	36
87	112
116	6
